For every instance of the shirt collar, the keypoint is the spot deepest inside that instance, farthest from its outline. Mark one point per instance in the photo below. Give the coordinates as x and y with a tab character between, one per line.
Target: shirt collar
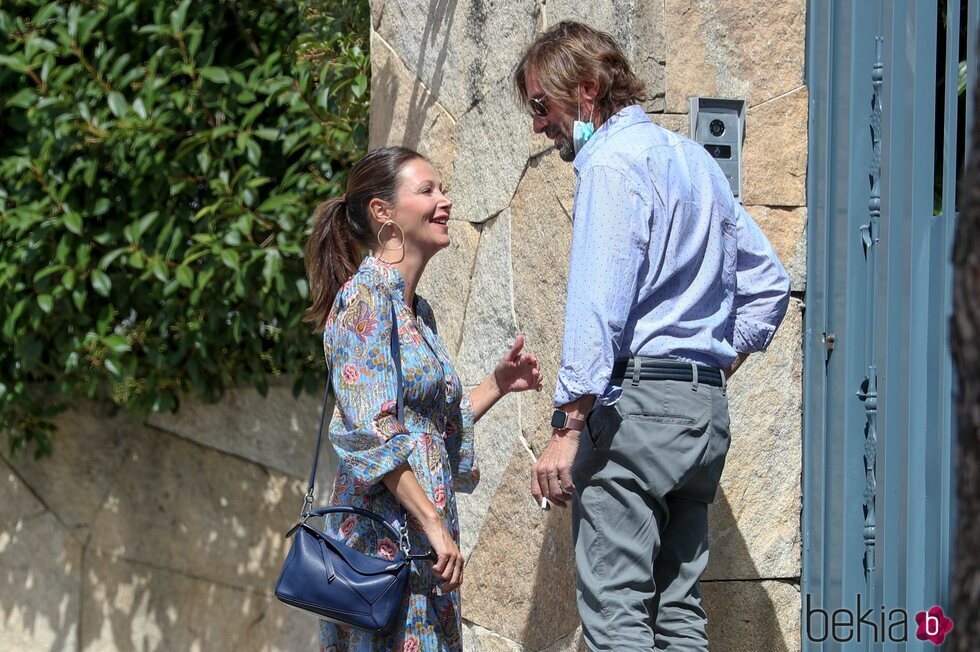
387	272
626	117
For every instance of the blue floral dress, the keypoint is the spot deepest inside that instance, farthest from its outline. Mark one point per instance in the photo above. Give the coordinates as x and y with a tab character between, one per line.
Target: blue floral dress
436	440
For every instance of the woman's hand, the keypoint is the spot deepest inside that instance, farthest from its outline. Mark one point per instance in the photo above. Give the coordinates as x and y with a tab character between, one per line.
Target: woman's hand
516	371
449	560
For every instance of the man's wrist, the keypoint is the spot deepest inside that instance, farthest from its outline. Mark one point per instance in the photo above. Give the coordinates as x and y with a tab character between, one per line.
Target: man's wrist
567	433
567	420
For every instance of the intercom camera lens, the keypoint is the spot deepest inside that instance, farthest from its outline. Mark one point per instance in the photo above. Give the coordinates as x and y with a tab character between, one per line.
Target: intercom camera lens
716	127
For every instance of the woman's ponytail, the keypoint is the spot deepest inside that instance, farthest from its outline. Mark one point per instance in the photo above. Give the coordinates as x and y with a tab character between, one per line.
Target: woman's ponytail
332	256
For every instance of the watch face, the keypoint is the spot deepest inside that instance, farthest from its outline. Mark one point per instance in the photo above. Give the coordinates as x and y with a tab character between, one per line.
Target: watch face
558	419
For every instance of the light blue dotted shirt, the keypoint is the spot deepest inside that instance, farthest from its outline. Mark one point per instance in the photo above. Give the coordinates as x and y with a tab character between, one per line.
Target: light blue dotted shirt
665	262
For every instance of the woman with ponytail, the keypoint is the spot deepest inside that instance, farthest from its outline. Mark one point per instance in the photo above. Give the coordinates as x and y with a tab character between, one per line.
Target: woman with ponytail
366	254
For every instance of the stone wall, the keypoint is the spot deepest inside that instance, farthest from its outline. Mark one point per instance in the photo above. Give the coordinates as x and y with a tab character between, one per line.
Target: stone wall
167	535
441	84
158	537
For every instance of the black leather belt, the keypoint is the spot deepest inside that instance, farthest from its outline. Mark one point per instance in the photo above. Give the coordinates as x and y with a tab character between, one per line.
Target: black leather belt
654	369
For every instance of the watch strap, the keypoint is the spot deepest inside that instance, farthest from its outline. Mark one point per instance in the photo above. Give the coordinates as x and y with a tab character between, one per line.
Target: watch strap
560	417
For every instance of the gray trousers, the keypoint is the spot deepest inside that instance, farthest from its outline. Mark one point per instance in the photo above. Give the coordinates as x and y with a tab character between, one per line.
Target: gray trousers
645	472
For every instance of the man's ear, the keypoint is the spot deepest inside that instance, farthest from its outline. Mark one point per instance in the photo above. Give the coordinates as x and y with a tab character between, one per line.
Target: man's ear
589	91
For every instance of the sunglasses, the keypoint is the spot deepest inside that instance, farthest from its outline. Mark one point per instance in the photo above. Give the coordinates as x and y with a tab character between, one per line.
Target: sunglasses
536	106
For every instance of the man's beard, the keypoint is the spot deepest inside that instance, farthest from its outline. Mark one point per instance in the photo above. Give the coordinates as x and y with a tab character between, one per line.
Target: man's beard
566	149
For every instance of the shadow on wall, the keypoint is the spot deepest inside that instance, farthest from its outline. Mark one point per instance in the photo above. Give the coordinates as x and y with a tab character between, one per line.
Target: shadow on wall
741	613
385	83
742	616
553	615
440	19
132	538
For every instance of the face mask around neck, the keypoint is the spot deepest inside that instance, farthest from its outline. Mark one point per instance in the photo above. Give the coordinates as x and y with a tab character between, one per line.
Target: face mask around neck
582	131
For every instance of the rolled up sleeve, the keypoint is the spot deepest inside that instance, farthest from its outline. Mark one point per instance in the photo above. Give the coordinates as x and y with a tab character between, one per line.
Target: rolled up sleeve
609	239
761	288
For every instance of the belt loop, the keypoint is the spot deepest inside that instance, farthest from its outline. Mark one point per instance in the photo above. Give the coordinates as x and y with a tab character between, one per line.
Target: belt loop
694	376
724	382
637	368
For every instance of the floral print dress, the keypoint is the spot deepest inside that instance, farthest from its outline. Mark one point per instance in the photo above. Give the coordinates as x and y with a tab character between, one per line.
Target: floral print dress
435	439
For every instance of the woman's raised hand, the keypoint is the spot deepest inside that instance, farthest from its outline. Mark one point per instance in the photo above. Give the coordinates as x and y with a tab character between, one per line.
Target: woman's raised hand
516	371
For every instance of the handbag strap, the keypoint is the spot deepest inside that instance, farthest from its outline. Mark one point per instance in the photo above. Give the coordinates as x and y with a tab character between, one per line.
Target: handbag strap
307	510
350	509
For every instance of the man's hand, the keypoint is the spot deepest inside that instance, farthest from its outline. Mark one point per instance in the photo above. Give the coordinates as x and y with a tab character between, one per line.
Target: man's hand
551	475
735	365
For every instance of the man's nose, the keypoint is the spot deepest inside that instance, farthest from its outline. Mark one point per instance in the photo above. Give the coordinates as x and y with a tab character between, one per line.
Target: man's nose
539	124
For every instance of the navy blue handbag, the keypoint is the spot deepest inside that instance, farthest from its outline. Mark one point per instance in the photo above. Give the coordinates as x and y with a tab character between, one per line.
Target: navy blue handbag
325	577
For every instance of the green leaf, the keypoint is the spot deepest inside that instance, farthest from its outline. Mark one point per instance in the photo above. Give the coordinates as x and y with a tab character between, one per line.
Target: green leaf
110	257
11	321
113	368
117	104
257	182
73	13
204	159
230	258
252	114
143	224
23	99
253	152
207	210
360	85
101	206
159	269
273	261
47	271
140	108
179	16
16	64
73	222
78	297
101	282
45	302
194	40
216	75
117	343
185	276
274	202
267	134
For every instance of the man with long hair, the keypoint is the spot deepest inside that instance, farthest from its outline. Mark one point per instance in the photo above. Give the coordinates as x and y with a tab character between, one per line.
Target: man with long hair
670	286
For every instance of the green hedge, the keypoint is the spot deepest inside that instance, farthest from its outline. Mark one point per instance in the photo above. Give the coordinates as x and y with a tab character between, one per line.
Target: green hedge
159	163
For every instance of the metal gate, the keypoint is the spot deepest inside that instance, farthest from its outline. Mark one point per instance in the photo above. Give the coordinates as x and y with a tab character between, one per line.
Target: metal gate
890	83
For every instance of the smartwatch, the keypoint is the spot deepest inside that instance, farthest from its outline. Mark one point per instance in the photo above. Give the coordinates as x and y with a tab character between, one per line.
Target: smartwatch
562	421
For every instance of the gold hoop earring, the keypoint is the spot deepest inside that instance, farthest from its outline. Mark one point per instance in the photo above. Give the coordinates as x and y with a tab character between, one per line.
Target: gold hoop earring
400	230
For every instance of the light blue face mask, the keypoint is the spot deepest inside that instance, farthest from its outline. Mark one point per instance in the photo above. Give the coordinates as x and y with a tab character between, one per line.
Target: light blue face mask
582	131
